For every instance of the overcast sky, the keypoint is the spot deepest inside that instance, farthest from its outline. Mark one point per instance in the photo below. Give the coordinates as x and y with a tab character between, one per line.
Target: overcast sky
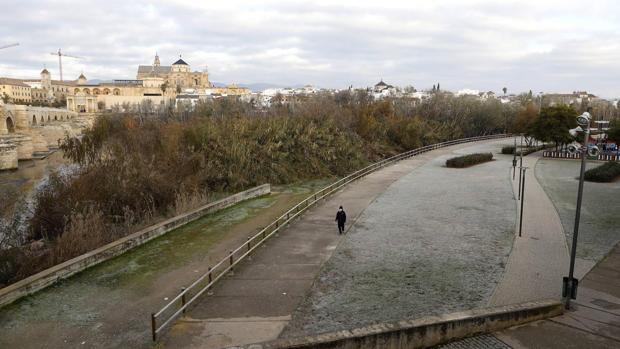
542	45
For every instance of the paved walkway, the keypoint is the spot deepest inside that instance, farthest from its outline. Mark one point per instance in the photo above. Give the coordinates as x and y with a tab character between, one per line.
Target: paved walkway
109	305
593	322
540	257
256	302
535	269
435	242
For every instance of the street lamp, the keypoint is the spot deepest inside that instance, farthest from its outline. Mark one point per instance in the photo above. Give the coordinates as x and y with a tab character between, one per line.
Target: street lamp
569	289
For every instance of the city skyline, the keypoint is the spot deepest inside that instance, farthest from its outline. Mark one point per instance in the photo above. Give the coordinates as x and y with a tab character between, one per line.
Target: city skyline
556	46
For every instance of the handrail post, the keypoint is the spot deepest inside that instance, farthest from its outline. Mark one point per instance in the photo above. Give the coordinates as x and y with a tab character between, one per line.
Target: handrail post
210	277
249	243
183	298
153	327
231	259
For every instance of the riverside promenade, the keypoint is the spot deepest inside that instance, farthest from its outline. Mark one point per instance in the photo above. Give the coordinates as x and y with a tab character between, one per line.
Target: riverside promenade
257	301
539	259
593	321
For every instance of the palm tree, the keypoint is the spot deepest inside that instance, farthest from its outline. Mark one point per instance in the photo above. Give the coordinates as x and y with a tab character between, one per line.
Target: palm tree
505	90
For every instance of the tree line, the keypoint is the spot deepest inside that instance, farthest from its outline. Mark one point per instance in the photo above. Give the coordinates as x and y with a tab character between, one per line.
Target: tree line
135	168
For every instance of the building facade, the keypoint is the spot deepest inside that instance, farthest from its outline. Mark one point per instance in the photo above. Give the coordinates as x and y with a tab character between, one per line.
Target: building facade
177	76
42	91
14	91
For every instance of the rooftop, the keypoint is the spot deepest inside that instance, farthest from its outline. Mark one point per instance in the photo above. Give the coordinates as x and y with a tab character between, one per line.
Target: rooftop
180	61
14	82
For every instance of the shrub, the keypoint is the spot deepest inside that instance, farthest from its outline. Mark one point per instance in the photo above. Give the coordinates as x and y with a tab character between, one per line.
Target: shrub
469	160
604	173
509	149
530	150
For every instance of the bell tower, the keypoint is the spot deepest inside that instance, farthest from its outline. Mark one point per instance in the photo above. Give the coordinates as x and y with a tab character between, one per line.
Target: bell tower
156	63
46	79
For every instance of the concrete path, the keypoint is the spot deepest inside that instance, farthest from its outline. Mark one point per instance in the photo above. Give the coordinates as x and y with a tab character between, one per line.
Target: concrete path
435	242
593	322
109	305
539	258
256	302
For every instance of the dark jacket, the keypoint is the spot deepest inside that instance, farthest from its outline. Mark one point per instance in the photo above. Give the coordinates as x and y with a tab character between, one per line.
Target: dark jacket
341	217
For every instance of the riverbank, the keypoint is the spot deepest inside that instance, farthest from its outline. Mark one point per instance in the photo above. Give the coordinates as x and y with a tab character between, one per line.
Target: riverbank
108	306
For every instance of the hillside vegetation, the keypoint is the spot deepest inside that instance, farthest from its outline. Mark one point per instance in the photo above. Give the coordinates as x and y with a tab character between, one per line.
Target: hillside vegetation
135	168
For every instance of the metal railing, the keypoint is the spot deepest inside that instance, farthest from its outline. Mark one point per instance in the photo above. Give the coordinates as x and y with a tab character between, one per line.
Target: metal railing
566	155
179	304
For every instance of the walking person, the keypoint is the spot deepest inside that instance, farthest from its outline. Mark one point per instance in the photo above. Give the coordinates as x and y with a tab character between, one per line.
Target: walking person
341	218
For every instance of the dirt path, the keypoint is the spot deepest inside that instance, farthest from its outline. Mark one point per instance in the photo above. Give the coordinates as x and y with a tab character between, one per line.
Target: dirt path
109	305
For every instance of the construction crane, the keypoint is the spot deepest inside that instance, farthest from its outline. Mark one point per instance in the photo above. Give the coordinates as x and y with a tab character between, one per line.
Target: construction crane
10	45
60	55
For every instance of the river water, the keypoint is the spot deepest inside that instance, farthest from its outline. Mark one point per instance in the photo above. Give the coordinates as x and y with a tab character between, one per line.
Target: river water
21	184
30	174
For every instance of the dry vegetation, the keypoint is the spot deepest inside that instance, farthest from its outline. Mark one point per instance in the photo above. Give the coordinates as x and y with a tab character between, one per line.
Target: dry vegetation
136	168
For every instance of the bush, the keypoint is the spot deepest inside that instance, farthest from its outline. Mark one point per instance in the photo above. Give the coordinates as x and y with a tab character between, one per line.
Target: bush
604	173
509	149
530	150
469	160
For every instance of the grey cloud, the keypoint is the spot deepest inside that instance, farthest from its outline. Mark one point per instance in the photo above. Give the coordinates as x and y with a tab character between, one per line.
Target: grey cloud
483	44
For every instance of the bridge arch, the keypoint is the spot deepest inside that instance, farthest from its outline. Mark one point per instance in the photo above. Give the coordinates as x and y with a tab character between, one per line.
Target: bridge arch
10	125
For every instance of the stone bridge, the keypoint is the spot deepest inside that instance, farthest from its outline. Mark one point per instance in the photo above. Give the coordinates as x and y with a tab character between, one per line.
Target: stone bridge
27	131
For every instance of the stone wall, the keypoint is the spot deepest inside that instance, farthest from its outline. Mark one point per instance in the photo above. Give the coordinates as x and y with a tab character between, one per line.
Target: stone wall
64	270
8	156
424	332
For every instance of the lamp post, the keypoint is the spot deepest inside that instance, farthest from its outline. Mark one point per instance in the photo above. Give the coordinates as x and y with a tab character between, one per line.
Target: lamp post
514	159
522	173
569	290
520	166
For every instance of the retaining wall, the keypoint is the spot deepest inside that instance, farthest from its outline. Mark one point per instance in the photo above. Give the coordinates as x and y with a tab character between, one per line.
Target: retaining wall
64	270
423	332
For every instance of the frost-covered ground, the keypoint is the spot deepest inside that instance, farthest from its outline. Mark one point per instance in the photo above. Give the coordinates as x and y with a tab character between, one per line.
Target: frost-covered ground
436	241
600	211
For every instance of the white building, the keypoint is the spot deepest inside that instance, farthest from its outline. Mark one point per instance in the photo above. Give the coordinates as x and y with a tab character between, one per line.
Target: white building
468	92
